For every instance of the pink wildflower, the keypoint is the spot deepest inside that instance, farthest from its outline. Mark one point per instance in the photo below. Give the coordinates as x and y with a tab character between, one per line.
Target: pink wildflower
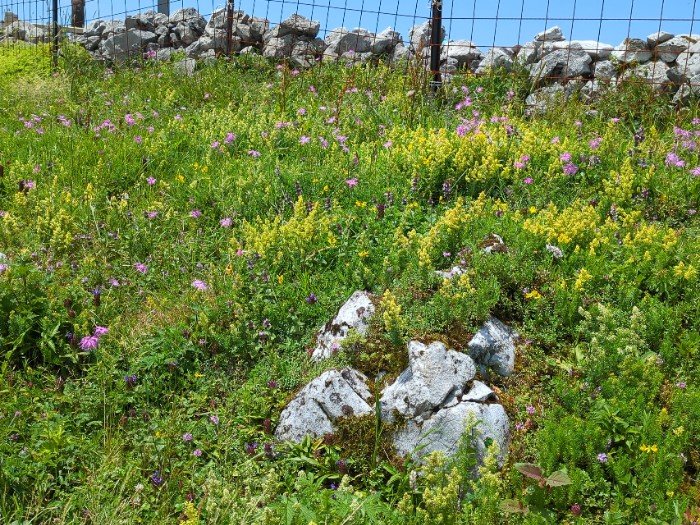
89	342
199	285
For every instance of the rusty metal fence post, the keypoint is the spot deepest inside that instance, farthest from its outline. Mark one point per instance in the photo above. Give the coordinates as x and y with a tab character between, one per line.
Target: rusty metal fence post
229	27
435	45
54	32
77	18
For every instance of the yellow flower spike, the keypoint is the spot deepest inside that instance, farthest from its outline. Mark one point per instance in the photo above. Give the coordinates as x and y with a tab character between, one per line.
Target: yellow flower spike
280	279
197	374
654	449
534	294
364	253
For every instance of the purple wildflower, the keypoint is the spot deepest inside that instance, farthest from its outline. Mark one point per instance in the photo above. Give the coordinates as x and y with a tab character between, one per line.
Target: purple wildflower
195	213
225	222
187	436
199	285
602	457
140	267
570	168
156	478
89	342
214	419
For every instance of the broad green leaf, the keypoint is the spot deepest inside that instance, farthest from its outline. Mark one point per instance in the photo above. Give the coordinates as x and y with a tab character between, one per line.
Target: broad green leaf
514	506
558	479
530	470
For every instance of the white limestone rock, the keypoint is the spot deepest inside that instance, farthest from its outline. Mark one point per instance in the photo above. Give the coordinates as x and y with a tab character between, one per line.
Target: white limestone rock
354	314
434	374
553	34
493	347
331	396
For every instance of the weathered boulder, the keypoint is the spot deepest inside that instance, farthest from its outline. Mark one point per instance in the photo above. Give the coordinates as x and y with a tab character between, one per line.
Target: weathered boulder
464	51
604	70
94	28
653	73
27	31
597	50
306	51
189	25
687	65
553	34
496	58
632	50
561	65
298	25
655	39
401	53
445	430
669	50
113	27
384	42
354	315
479	393
493	348
420	36
121	46
342	41
434	375
279	47
332	395
528	53
204	44
144	21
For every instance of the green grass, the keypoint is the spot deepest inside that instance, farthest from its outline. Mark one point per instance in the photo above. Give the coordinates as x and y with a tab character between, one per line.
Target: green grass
123	189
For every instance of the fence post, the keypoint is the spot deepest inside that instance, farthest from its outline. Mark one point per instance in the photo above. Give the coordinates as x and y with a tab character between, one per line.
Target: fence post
435	41
229	27
164	7
54	32
77	17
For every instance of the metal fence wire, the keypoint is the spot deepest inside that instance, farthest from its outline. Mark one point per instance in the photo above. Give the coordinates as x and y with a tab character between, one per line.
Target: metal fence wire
551	41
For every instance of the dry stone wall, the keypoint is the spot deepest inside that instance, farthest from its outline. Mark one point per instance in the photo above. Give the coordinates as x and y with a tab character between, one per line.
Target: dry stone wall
669	62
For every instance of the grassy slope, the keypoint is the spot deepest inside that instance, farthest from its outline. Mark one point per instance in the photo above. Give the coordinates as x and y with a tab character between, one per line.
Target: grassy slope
109	235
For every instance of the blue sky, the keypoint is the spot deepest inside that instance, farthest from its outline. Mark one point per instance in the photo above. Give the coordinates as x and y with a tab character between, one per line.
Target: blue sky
485	22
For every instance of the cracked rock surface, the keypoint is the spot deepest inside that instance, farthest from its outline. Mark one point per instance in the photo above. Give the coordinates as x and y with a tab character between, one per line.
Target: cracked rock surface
332	395
354	314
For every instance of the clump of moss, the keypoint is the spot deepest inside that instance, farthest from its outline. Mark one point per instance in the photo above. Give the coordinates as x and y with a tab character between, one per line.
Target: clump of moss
365	441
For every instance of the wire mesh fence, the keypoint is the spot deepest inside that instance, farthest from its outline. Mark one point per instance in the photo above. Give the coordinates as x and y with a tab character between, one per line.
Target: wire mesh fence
547	41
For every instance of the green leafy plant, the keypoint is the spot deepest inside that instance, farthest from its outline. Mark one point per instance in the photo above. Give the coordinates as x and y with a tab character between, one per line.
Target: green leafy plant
537	495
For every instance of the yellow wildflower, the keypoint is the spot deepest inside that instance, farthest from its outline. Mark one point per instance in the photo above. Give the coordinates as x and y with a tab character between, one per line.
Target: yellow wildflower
534	294
363	253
